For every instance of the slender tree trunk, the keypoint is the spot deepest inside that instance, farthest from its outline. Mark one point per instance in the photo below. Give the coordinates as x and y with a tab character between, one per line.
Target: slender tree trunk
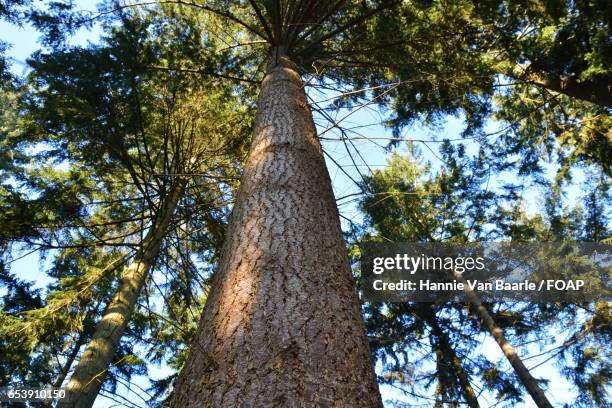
69	361
443	383
90	372
530	383
65	368
440	369
282	324
447	350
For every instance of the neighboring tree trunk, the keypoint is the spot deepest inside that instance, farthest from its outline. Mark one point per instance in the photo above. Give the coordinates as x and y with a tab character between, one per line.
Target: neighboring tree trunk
68	364
282	324
442	382
530	383
90	372
448	351
65	368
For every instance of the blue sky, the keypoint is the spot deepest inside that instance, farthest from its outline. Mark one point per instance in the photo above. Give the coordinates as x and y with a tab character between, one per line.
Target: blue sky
374	156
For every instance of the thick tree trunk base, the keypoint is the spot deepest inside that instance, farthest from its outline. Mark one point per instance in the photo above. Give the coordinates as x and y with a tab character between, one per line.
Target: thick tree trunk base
282	325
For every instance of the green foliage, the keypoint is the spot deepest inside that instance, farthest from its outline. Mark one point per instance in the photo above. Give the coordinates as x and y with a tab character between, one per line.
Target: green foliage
411	201
102	134
93	142
531	65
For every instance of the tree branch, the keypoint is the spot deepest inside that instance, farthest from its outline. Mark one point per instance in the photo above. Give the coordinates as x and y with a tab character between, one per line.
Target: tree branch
598	91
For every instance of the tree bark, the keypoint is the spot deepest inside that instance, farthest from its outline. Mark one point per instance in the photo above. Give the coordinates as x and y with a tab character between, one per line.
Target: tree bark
282	324
528	381
90	372
599	92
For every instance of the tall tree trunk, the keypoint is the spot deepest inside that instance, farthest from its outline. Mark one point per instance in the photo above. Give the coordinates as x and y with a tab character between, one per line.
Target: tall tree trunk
89	374
448	351
282	324
528	381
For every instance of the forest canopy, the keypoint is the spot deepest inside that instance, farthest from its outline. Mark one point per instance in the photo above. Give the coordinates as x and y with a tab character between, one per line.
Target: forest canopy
186	185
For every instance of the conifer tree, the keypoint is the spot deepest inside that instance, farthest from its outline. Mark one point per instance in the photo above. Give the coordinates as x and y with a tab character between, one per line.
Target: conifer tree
283	244
137	143
408	201
296	39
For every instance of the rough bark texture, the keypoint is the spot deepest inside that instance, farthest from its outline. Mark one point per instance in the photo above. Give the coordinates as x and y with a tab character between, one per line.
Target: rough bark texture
282	324
528	381
89	374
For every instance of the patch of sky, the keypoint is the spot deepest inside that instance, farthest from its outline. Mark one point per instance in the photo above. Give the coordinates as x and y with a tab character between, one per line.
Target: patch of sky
347	161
